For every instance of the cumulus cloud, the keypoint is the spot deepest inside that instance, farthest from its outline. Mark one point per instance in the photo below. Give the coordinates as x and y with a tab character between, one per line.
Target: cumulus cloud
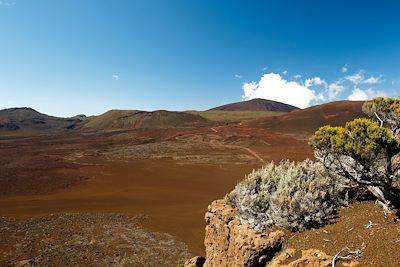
361	95
238	76
4	3
272	86
303	91
372	80
356	78
359	77
315	81
115	77
334	89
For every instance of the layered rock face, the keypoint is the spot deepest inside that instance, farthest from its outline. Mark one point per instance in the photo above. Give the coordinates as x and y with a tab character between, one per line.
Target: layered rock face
230	243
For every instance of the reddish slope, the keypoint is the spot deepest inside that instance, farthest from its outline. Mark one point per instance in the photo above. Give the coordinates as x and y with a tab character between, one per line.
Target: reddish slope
257	104
306	121
134	119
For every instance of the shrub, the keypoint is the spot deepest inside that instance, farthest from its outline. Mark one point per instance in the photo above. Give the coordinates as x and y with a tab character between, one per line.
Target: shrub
363	152
292	195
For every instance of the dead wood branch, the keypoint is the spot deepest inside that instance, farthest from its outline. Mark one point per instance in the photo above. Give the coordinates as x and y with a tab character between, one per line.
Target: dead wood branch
349	255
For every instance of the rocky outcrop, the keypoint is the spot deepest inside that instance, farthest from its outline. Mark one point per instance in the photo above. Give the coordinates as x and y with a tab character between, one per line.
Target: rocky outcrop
230	243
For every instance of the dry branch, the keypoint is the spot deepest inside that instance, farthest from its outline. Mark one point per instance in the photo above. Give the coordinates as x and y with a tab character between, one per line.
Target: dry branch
349	255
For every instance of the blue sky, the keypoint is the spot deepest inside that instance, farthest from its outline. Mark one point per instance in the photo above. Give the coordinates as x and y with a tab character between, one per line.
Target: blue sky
70	57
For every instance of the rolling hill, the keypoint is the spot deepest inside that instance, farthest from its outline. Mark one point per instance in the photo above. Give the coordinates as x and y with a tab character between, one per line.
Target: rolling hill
133	119
31	120
256	104
306	121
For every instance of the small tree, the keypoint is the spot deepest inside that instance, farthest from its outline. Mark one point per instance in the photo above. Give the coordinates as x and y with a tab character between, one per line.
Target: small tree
387	111
362	151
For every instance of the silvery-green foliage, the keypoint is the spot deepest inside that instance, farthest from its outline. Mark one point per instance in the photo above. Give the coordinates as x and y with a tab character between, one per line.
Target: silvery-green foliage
292	195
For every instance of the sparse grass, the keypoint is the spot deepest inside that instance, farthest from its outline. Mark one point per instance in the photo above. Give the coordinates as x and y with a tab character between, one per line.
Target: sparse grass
233	116
107	118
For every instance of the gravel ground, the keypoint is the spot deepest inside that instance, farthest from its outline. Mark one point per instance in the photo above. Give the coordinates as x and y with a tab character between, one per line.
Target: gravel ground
86	239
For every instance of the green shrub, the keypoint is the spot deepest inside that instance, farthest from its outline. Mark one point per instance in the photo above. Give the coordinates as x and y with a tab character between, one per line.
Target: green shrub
366	151
292	195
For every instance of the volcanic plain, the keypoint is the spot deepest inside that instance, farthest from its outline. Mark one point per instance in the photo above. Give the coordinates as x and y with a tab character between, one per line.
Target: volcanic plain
132	187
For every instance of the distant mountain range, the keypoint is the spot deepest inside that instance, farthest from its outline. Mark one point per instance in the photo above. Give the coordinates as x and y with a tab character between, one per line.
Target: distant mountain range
292	120
257	104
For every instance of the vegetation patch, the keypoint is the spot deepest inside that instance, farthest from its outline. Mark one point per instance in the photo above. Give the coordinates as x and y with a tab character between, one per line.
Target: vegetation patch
292	195
234	116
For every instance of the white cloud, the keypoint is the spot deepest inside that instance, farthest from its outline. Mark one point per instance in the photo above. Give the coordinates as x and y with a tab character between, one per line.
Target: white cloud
272	86
359	94
356	78
315	81
372	80
345	68
359	77
334	89
3	3
303	91
115	77
239	76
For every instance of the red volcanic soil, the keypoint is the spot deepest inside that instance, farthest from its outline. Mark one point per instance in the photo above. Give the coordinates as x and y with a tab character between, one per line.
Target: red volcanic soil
361	226
257	104
174	196
307	121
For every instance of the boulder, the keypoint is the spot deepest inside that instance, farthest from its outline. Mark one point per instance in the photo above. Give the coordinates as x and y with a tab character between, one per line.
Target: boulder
230	243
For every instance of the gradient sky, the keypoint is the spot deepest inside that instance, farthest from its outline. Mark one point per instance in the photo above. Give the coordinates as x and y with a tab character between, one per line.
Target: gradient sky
70	57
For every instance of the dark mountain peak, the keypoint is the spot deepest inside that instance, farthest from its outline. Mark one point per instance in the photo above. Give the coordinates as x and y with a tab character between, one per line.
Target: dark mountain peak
257	104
